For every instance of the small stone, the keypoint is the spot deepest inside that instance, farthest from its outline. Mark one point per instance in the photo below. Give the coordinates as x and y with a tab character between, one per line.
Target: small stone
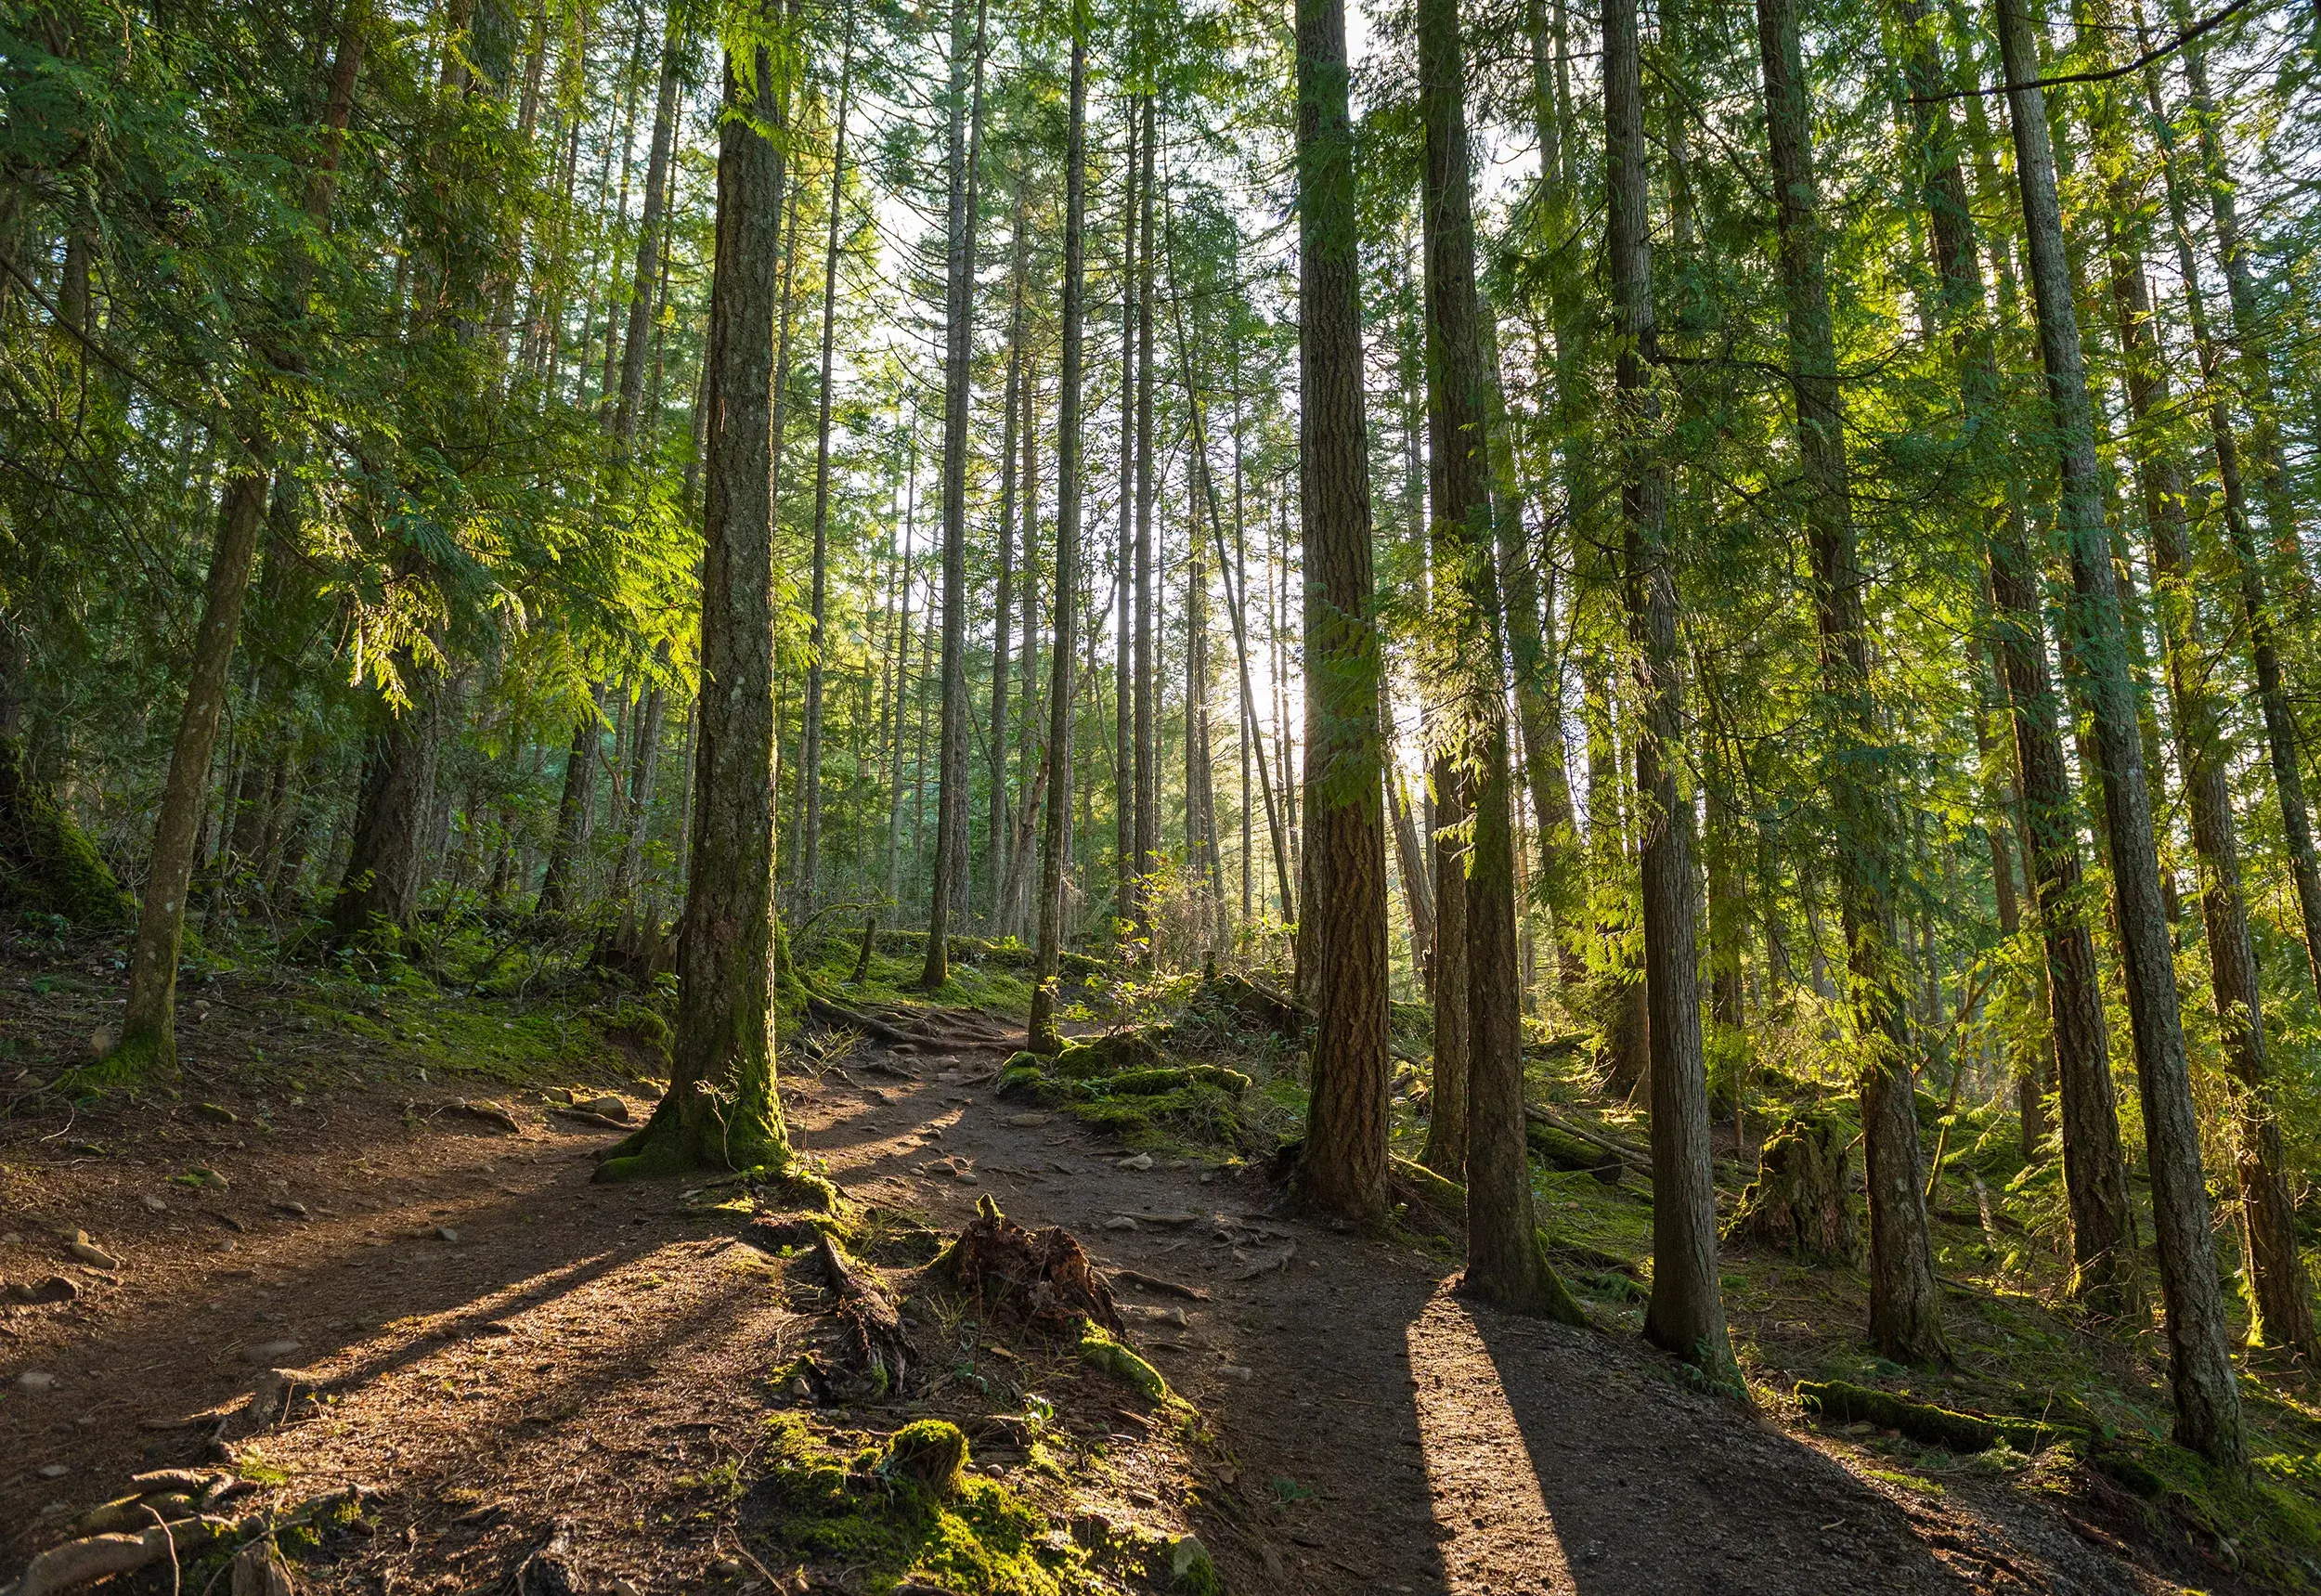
295	1210
726	1567
963	1175
88	1253
153	1204
216	1113
1030	1121
1137	1162
1119	1222
1235	1371
612	1107
268	1353
53	1471
626	1587
33	1380
445	1233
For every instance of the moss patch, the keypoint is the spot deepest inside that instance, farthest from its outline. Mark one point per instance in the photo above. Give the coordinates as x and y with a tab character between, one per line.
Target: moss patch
831	1504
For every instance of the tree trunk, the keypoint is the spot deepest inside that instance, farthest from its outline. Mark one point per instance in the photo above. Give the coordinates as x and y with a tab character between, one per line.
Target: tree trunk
950	790
1146	843
148	1023
2281	1307
648	235
1905	1304
1343	1170
386	864
2280	726
1126	893
1686	1316
1040	1033
2207	1400
720	1110
2095	1168
1002	605
574	811
810	735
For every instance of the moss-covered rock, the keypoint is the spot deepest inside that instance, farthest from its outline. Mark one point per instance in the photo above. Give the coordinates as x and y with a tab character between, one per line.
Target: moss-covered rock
1175	1077
1142	1048
930	1453
840	1507
47	863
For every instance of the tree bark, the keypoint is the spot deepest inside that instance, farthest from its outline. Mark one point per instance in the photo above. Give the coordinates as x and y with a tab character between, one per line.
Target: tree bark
1905	1304
950	788
2207	1400
1146	843
810	735
656	169
1686	1316
1040	1033
720	1109
1343	1170
2095	1168
1002	605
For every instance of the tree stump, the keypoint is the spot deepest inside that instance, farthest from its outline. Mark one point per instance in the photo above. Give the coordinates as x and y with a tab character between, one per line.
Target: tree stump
1034	1278
1801	1200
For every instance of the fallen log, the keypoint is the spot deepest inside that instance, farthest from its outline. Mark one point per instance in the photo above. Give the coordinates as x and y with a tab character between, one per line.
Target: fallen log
1636	1157
1155	1283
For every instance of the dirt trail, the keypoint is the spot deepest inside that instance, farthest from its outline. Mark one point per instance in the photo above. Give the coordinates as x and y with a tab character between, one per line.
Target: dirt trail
502	1346
1388	1436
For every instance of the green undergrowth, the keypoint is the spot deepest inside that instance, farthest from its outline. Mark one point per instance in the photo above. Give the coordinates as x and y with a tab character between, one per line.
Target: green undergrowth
904	1512
1000	984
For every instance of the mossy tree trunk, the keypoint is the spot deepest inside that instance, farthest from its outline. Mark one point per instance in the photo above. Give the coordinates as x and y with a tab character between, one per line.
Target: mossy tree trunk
2094	1169
720	1110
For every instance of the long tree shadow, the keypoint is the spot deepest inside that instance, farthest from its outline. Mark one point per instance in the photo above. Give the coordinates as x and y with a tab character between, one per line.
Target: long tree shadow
1635	1484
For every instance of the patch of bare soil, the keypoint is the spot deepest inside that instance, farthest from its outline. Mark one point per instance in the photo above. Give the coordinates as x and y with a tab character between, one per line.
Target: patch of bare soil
513	1373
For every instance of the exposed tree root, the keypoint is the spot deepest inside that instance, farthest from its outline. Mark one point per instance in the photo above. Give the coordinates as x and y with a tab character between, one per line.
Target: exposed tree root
1042	1277
876	1338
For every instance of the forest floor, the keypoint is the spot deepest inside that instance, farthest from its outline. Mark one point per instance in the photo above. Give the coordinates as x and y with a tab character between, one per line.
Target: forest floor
496	1358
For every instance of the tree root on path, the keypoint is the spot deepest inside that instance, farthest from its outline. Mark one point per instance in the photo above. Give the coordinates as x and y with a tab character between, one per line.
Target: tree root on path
1042	1277
877	1340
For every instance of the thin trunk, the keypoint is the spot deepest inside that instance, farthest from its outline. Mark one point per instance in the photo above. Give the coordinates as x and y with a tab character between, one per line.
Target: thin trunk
950	791
1040	1031
1127	892
809	736
1002	605
1905	1304
1686	1316
1146	843
656	188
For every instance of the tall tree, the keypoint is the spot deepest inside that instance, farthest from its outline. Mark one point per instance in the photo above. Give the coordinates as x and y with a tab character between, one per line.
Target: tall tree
1686	1316
818	601
2200	1376
1343	920
720	1110
1040	1031
950	796
1905	1304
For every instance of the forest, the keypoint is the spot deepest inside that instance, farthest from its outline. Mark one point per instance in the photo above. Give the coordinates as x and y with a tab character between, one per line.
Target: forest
1030	796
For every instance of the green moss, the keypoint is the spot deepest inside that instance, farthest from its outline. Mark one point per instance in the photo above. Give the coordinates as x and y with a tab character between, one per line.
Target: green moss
930	1453
1100	1350
47	863
887	1529
1841	1402
1170	1077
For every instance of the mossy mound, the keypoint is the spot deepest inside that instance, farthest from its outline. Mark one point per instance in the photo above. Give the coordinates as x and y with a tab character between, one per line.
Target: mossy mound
1142	1048
930	1453
845	1509
1839	1402
1100	1349
47	863
1123	1086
